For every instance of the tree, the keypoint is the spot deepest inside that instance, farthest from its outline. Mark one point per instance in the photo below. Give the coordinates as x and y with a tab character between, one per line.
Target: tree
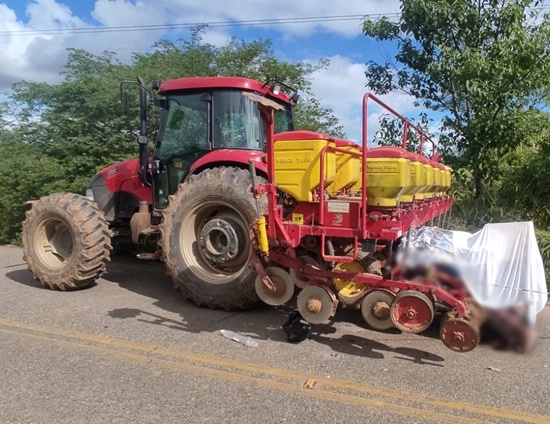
484	63
310	115
55	137
25	173
392	129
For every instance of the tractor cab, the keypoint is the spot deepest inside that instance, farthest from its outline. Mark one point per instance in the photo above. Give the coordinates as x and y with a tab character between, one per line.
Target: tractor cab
202	115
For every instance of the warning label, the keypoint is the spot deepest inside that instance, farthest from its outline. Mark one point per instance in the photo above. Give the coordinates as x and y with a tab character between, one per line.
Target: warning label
338	207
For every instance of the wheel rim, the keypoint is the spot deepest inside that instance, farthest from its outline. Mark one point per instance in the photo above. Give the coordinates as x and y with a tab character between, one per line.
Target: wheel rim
53	243
412	311
375	309
459	334
314	304
215	242
284	287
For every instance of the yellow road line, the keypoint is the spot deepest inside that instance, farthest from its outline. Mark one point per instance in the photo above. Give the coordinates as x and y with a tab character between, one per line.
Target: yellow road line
393	394
369	404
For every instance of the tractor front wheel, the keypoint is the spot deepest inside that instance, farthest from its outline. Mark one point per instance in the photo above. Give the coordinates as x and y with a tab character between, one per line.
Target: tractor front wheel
66	241
206	239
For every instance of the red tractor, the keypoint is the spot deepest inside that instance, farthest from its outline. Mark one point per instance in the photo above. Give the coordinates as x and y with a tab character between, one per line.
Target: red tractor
241	207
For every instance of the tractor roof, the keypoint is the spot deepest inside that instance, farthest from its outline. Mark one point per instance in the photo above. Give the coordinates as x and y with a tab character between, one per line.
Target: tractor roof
194	83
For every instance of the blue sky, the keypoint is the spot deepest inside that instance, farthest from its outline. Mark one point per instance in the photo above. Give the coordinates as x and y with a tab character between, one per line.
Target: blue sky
340	86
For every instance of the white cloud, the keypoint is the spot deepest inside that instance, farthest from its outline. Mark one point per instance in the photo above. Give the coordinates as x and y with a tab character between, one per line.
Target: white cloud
341	87
41	57
238	10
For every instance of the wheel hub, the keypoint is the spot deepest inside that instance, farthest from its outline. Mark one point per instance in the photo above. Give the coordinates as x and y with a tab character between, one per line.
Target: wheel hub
218	241
283	287
314	305
53	242
381	310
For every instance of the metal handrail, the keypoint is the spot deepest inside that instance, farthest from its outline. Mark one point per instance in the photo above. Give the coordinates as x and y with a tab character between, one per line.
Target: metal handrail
406	126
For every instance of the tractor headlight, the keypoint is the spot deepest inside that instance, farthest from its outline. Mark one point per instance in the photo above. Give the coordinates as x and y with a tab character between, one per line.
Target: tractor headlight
90	195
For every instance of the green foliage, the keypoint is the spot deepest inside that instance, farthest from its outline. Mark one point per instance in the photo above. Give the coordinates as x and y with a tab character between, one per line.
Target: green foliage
485	65
310	115
55	137
392	129
25	173
521	193
525	184
482	63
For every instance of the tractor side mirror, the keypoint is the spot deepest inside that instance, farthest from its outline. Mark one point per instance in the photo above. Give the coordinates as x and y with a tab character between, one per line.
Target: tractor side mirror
124	100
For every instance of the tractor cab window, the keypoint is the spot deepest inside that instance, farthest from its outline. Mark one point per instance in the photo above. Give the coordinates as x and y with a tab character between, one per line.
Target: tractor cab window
186	126
283	120
237	122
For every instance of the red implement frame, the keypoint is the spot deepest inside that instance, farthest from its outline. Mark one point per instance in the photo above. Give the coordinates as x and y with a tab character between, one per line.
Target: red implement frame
386	225
383	225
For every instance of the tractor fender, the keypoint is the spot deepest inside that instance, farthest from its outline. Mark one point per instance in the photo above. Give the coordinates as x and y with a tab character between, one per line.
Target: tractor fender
228	157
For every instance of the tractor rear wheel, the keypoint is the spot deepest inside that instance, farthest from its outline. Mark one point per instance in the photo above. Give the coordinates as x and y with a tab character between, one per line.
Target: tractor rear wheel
66	241
206	239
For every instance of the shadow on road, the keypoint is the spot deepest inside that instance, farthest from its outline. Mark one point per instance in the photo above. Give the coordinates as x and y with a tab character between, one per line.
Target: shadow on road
150	279
360	346
23	276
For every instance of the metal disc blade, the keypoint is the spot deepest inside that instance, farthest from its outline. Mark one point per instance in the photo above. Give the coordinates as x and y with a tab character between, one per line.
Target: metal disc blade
284	287
315	305
375	309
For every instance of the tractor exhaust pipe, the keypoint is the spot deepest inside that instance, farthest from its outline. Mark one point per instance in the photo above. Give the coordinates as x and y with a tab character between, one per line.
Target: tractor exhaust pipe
142	138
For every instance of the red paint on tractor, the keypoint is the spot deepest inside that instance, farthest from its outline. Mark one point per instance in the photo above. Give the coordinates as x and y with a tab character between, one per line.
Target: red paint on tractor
207	83
227	157
124	176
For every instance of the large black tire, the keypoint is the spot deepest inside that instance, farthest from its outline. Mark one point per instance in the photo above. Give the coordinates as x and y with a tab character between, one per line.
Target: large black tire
206	239
66	241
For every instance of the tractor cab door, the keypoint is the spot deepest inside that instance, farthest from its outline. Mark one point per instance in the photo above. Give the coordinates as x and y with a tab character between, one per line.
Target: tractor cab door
184	136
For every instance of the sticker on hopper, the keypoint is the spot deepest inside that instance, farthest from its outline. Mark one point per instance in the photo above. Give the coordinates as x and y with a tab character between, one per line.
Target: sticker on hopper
338	207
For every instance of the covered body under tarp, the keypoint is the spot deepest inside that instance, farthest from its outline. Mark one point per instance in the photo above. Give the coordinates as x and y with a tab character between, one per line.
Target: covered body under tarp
500	265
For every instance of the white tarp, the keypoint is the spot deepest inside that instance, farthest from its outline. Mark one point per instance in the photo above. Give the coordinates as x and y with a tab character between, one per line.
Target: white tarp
500	265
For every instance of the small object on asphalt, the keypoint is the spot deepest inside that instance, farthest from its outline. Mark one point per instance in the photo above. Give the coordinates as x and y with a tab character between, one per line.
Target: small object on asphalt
239	338
494	369
147	256
310	383
296	328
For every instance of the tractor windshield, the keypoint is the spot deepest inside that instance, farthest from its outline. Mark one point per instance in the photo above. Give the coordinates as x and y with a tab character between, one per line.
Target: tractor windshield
221	119
238	123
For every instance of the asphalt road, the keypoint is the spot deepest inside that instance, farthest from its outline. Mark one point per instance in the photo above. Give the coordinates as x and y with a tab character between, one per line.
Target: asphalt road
132	350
